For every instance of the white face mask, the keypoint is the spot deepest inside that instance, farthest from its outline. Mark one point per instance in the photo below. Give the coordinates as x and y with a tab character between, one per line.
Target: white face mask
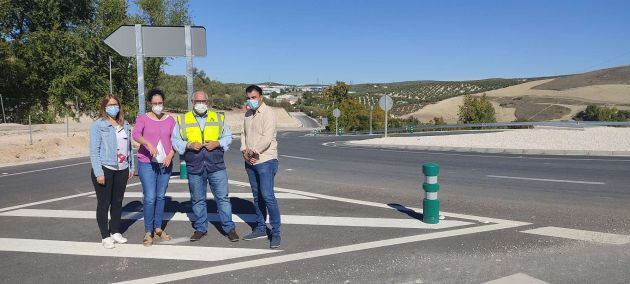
157	109
201	108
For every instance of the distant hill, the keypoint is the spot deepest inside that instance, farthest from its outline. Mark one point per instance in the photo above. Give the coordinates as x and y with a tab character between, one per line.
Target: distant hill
559	98
610	76
410	96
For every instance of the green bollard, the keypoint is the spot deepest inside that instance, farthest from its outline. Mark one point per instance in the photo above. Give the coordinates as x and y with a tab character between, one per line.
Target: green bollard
183	173
430	203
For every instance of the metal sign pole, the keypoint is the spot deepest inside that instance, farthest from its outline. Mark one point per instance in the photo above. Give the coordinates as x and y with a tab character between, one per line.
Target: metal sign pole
336	126
386	124
189	65
140	69
4	118
111	86
371	110
30	129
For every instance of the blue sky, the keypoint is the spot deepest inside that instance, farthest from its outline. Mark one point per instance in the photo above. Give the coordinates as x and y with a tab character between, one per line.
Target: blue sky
303	42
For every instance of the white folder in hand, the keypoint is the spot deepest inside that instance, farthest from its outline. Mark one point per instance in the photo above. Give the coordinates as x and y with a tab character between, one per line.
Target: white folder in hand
161	154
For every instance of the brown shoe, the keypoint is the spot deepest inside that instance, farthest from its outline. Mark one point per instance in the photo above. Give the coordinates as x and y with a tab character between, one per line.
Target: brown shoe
233	236
197	235
161	235
148	240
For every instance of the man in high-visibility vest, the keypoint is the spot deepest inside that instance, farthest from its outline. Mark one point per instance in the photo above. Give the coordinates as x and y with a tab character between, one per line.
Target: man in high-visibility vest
202	136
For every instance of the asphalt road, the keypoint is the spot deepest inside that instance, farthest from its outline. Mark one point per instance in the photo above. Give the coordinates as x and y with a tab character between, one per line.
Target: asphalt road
347	219
307	121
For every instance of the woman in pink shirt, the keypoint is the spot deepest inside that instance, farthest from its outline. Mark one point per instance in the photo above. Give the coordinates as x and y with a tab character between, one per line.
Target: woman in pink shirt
153	131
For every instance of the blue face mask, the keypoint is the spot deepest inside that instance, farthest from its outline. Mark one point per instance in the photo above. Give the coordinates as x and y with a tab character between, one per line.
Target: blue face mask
253	104
112	110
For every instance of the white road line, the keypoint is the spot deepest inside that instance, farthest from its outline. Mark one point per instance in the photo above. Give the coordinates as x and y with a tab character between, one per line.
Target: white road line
195	253
45	169
548	180
581	235
45	201
53	200
295	157
175	241
304	193
316	253
518	278
381	205
428	152
242	195
250	218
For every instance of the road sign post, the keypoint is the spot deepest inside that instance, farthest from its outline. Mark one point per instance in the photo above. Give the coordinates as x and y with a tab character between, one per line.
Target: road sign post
189	65
4	118
111	85
430	203
140	69
386	103
336	114
30	129
371	111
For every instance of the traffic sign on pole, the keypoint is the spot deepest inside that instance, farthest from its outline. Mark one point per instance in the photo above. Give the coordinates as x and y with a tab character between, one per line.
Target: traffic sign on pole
158	41
386	102
336	114
324	121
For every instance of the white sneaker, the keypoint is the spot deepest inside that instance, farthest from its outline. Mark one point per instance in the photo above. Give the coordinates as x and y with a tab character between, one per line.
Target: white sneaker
118	238
108	243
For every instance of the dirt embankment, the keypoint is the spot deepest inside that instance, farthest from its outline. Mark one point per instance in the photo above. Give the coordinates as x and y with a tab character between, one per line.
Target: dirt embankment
51	142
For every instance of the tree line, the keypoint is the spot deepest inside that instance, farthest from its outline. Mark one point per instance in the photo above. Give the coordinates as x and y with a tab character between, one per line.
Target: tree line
53	61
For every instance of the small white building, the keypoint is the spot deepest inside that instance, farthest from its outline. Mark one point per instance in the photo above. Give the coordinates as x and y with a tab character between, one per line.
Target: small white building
291	99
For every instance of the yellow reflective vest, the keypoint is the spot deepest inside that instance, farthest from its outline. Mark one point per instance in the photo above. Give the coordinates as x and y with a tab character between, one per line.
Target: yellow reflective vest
191	132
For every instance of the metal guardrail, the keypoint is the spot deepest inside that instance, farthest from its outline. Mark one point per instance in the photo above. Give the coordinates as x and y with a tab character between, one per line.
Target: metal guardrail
489	126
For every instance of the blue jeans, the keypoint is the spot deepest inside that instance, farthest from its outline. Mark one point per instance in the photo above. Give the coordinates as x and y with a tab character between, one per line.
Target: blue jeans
198	191
154	178
261	179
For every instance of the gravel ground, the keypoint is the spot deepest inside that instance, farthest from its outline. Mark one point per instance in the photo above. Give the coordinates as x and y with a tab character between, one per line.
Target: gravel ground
587	139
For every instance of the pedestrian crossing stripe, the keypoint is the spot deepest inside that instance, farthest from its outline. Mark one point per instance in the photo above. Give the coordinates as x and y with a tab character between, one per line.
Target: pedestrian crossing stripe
251	218
242	195
172	252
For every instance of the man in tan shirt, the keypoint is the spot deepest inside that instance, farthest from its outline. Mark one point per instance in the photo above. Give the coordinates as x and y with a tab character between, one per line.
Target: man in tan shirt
260	151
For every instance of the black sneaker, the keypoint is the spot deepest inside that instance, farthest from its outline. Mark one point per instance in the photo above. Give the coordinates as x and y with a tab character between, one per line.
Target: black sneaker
275	241
233	236
197	235
255	235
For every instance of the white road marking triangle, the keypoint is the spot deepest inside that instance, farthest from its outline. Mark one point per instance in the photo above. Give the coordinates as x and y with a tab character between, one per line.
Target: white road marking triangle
581	235
518	278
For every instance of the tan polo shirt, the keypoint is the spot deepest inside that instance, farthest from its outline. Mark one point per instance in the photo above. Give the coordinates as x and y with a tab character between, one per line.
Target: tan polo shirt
259	133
